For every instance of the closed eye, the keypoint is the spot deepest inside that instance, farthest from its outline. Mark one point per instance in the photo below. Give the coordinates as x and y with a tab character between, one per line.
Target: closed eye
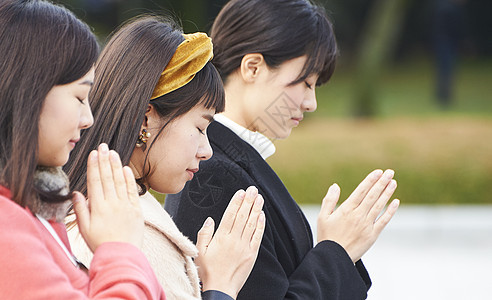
308	85
201	131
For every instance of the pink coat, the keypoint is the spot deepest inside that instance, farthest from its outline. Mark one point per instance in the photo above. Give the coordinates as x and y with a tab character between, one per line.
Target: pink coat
34	266
169	252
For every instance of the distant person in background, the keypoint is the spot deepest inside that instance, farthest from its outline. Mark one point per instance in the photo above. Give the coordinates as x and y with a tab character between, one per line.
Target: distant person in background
448	32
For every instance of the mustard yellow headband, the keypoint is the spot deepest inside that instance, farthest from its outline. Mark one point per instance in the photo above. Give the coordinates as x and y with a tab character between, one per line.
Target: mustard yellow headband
190	57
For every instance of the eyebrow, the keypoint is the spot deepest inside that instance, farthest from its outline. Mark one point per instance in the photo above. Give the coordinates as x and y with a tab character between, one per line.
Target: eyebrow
208	117
87	82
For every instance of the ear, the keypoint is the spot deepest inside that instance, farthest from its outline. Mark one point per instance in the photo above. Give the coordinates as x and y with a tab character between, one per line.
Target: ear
251	66
150	118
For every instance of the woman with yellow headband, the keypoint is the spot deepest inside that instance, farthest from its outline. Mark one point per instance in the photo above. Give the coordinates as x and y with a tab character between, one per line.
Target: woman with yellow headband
155	93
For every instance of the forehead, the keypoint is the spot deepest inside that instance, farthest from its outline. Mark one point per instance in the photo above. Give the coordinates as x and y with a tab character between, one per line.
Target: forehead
88	78
201	109
290	70
199	112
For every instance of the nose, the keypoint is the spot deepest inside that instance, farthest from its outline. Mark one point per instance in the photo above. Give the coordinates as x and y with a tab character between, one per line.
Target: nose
86	118
309	104
204	150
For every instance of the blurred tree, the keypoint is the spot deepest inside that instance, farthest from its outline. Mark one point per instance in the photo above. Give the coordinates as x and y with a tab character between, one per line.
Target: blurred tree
378	40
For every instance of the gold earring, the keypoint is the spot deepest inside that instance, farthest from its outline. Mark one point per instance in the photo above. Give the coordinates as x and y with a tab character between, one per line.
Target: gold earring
143	137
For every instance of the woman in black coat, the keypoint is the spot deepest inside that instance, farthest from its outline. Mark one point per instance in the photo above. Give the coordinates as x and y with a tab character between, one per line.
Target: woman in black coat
271	55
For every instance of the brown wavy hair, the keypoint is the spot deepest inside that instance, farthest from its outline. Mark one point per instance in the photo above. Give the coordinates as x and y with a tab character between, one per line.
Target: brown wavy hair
126	74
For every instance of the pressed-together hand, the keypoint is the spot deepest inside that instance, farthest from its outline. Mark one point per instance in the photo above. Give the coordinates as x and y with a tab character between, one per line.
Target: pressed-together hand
355	224
114	213
226	259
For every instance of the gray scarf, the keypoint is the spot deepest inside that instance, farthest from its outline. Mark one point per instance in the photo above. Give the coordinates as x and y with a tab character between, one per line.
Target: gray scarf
51	179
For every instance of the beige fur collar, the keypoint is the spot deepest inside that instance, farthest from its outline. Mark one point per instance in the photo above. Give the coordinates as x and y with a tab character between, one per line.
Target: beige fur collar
157	217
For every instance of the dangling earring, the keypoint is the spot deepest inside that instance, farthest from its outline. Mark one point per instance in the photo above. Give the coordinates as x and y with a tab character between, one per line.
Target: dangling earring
142	138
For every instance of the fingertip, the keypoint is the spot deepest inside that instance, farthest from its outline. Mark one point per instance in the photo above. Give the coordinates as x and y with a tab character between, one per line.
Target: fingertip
392	184
93	156
259	201
241	194
252	191
78	200
114	156
208	222
128	171
395	203
76	197
334	188
389	173
262	218
103	147
376	174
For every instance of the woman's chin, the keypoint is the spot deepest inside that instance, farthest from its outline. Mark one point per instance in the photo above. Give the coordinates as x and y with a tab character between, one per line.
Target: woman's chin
281	134
59	162
171	189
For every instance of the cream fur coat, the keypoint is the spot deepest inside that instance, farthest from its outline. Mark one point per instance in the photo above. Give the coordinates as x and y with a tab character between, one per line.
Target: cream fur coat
169	252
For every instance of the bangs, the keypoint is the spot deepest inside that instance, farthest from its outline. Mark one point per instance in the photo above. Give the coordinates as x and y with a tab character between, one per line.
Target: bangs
208	80
321	52
205	88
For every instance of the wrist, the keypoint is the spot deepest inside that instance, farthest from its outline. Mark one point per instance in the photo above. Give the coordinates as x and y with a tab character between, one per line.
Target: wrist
225	288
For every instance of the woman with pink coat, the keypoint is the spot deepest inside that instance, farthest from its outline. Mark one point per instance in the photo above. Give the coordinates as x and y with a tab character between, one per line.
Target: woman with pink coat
46	62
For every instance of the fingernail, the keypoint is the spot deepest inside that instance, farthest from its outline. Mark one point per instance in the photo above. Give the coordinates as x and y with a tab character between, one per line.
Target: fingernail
262	217
208	222
241	194
259	201
392	184
389	173
377	173
104	148
252	191
395	203
113	156
93	155
128	171
333	188
75	198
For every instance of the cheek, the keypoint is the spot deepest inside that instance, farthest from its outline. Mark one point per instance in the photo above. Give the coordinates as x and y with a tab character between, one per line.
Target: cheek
169	160
296	95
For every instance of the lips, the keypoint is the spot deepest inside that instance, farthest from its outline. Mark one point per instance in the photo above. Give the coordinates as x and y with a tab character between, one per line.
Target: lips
73	142
297	120
191	172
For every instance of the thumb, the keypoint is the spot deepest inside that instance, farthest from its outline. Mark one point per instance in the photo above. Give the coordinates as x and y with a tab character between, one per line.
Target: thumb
204	236
330	200
82	212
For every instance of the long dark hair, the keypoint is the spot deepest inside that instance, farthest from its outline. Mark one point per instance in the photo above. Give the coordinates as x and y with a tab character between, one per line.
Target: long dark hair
42	45
278	29
126	74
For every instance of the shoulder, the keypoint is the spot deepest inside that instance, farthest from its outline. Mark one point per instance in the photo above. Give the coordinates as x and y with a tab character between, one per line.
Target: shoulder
14	216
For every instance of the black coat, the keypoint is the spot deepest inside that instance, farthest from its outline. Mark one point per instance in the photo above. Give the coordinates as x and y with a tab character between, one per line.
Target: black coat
288	267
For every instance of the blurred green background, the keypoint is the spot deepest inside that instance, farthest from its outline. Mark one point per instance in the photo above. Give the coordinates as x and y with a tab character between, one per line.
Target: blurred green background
383	108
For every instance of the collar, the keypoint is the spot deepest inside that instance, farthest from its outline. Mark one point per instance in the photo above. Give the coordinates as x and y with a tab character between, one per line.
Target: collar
156	217
5	192
263	145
